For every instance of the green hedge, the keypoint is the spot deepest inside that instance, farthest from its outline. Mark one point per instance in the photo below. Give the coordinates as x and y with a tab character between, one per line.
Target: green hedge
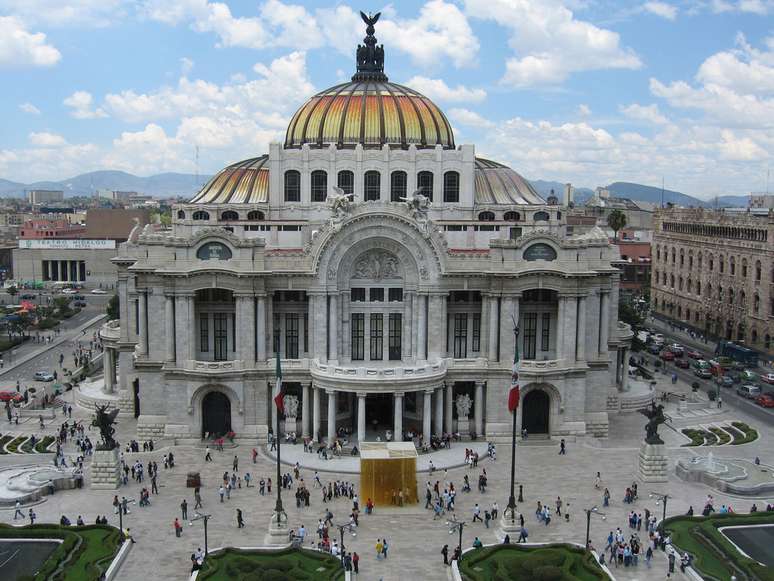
750	434
13	446
42	446
87	550
3	441
557	562
696	436
286	565
686	533
722	435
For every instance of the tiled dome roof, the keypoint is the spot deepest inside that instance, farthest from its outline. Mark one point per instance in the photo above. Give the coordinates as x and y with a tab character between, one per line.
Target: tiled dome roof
245	182
498	184
370	112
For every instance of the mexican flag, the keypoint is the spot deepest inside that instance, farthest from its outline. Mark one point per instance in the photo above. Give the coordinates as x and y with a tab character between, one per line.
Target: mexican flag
513	394
279	399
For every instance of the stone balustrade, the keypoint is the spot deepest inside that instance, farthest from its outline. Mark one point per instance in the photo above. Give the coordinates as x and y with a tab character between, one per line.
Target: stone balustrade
400	377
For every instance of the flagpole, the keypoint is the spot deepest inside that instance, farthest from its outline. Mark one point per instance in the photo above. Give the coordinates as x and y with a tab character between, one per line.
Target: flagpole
512	498
280	415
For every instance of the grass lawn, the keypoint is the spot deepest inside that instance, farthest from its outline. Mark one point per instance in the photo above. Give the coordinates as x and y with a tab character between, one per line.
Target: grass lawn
286	565
714	554
514	563
87	550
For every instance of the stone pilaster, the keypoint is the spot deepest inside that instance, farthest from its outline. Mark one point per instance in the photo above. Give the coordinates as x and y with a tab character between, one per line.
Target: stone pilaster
654	463
105	470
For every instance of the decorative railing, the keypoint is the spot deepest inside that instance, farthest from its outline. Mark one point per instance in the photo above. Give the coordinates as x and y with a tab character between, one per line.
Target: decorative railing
369	373
111	330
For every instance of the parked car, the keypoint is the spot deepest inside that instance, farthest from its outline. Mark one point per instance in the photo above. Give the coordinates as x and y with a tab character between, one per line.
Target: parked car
682	363
765	400
692	354
10	396
748	391
79	303
98	291
654	348
79	297
702	372
69	291
767	378
43	376
724	380
749	376
667	355
28	297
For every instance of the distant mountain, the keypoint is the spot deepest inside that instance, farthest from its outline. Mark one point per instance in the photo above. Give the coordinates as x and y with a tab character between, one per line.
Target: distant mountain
544	188
639	192
162	185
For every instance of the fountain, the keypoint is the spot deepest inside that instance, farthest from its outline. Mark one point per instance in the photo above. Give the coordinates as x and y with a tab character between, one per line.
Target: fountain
730	475
710	462
29	483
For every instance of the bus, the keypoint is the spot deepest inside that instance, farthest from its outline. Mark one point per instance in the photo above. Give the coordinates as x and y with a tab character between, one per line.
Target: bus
738	353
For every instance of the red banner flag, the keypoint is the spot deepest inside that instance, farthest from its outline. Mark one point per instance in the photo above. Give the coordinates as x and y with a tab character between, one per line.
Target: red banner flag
513	394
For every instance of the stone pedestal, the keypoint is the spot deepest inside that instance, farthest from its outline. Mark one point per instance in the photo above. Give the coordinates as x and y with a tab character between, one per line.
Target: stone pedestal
510	526
105	470
290	426
463	426
278	531
653	463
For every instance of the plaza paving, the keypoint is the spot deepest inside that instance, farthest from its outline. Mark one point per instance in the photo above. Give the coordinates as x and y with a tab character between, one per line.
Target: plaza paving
415	539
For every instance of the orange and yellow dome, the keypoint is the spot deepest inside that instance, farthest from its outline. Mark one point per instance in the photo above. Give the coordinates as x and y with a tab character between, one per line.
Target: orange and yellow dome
372	113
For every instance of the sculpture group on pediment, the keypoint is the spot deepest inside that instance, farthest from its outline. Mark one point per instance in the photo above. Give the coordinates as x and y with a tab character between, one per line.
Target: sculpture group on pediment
376	265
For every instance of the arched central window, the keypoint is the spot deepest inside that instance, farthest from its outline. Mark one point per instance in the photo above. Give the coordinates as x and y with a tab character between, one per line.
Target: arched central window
372	184
229	216
398	181
451	187
486	216
292	186
511	217
255	215
319	185
425	183
346	181
201	215
180	215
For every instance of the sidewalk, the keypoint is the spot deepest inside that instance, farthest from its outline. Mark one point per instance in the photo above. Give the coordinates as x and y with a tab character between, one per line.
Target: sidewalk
682	336
33	350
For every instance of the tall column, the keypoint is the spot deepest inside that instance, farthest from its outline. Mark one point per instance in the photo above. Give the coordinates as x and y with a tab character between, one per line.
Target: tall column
361	417
398	419
333	325
190	300
560	330
319	317
315	413
260	329
484	332
108	370
182	325
426	413
142	343
169	326
507	315
478	409
422	327
246	328
604	326
449	417
438	419
494	316
406	339
570	327
305	411
581	339
331	416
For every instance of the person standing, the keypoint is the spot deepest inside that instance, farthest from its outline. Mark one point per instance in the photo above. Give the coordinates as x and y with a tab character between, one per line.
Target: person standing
355	562
33	516
178	528
445	553
671	560
221	492
235	465
379	547
197	498
255	454
184	509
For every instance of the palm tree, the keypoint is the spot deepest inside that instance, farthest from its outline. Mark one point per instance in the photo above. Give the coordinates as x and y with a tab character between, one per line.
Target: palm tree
616	220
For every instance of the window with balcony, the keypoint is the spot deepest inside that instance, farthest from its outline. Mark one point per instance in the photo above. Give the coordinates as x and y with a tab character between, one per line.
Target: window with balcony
530	335
220	325
545	332
357	295
319	185
460	335
291	335
398	180
376	295
425	184
394	336
395	295
358	336
292	186
376	337
475	344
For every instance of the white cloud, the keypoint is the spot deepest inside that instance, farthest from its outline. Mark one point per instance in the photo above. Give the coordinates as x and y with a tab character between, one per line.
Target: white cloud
81	104
661	9
760	7
71	12
649	113
186	65
736	148
39	163
584	110
29	108
19	47
550	43
468	117
46	139
438	89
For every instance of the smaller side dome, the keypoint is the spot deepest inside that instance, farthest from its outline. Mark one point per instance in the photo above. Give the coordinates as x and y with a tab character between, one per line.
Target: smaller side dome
498	184
244	182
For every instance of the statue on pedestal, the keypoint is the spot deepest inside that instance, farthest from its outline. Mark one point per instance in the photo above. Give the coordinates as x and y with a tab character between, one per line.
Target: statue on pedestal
655	415
105	421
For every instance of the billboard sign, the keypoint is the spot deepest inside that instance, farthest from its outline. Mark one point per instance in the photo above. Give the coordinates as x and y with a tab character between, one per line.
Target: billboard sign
71	244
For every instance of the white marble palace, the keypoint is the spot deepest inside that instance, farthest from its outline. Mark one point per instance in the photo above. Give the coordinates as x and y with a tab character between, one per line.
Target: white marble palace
385	266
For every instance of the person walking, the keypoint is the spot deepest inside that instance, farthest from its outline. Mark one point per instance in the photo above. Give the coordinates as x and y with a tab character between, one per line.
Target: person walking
18	512
197	498
178	528
207	454
523	534
240	521
385	546
379	547
32	516
720	402
221	492
562	448
671	560
477	513
255	455
184	509
445	553
356	562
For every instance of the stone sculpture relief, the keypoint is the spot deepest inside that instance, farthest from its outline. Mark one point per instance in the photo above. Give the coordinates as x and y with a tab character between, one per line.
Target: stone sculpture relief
340	205
418	204
291	406
376	265
463	405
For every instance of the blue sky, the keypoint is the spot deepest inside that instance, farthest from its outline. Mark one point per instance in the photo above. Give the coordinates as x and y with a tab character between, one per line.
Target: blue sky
581	91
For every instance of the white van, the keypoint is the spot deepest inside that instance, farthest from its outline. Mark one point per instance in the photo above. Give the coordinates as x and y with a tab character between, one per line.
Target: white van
748	391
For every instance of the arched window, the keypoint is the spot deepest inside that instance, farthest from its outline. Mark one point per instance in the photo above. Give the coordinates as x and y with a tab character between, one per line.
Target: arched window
511	217
658	253
698	287
319	185
722	263
372	183
180	215
229	216
732	265
451	187
541	216
731	296
673	255
700	261
720	294
425	183
256	215
346	181
767	341
742	299
687	314
709	291
679	312
744	268
398	181
758	270
711	263
486	216
292	186
754	336
682	258
201	215
690	285
680	283
690	259
756	303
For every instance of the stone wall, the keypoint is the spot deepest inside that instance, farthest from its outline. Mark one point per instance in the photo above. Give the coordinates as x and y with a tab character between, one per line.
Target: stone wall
105	470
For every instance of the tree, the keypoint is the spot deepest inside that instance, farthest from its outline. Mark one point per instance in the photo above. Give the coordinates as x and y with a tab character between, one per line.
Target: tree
629	314
616	220
12	290
112	308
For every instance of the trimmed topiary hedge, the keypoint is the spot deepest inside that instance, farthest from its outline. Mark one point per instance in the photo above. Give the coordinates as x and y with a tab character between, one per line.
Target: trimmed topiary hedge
285	565
750	434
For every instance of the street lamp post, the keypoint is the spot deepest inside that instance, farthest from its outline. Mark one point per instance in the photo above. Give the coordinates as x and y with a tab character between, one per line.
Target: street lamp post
342	528
589	512
661	498
457	525
121	515
205	518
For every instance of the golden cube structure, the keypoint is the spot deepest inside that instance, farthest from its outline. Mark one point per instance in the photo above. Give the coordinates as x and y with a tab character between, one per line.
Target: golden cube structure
386	469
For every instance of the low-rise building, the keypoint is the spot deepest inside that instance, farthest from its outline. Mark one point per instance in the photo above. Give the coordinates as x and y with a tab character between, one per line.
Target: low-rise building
36	197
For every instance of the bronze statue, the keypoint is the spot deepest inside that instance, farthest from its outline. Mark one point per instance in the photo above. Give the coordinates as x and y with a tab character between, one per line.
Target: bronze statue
105	420
369	56
655	415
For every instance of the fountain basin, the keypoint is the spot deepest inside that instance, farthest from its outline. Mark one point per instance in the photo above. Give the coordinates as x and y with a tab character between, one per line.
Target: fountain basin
730	475
30	483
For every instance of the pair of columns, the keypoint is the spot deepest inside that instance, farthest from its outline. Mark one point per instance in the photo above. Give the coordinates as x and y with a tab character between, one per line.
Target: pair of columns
109	369
571	328
503	311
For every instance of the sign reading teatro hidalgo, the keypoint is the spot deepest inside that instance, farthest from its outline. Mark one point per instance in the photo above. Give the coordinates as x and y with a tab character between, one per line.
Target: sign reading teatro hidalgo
72	244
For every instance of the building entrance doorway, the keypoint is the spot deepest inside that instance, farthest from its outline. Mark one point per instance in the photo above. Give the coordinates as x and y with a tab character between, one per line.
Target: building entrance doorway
380	410
216	414
136	390
535	412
